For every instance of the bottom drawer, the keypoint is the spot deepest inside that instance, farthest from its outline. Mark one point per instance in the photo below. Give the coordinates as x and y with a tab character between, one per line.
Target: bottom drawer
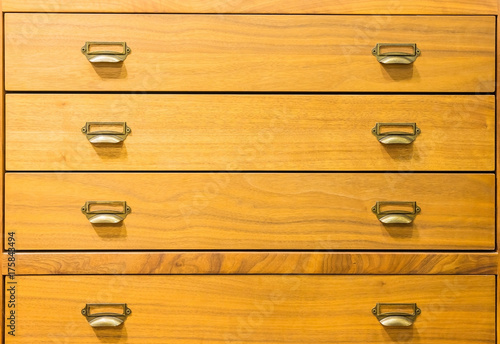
251	309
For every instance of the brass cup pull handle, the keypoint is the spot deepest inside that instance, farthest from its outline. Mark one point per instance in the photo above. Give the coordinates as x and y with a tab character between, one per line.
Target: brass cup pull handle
106	56
117	213
106	319
396	136
396	318
396	216
395	57
106	136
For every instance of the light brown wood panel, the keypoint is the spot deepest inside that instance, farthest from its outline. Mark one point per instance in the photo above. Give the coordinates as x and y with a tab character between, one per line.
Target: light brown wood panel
250	132
258	6
256	309
154	263
300	53
498	169
2	150
193	211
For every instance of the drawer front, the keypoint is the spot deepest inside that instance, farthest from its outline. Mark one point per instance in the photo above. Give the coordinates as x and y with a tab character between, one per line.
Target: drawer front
250	211
258	6
250	132
254	309
301	53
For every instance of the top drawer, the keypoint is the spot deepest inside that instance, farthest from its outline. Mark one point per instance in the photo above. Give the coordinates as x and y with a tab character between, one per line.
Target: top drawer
258	6
260	53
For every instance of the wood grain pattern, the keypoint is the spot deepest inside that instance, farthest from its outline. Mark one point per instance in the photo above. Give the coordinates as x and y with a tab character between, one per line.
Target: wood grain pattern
497	170
241	262
308	211
2	154
250	132
249	53
352	263
256	309
257	6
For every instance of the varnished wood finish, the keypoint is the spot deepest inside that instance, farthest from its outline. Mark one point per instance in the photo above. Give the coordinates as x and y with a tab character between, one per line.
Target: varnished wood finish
250	132
498	169
256	309
256	262
194	211
2	156
147	263
257	6
249	53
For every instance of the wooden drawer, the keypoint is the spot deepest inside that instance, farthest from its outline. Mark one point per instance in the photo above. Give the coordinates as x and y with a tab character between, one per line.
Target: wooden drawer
249	132
467	7
300	53
250	211
253	309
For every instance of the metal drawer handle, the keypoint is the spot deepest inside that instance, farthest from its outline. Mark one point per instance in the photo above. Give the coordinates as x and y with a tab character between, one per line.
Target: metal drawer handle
106	56
106	136
396	216
397	318
106	319
396	137
396	57
103	216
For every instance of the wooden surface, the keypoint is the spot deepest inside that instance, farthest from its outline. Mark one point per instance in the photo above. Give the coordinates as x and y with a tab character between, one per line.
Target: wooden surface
258	6
497	170
257	309
250	53
308	211
146	263
2	154
207	262
250	132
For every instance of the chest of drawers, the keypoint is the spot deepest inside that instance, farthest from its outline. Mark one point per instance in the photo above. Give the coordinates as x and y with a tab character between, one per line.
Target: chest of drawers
249	171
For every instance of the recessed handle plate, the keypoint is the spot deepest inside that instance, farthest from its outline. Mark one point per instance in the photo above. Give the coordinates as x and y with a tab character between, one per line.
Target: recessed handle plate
116	211
396	57
396	318
106	56
106	136
106	319
396	216
396	136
